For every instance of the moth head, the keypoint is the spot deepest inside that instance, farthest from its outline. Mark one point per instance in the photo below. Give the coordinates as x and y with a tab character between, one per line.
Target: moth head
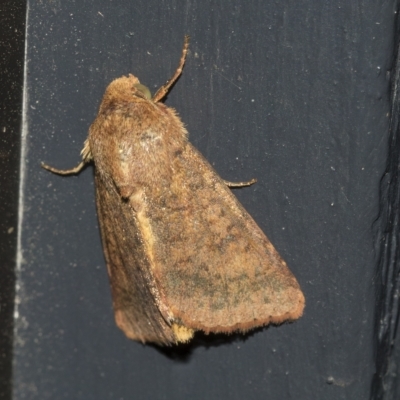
143	90
123	89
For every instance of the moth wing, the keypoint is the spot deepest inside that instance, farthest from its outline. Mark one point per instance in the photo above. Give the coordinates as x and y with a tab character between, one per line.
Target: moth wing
215	269
135	307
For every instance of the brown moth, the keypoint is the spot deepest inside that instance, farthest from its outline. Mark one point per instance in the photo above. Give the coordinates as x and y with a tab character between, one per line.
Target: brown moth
182	253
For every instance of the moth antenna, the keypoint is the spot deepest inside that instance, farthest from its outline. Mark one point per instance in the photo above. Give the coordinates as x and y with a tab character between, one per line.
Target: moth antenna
240	184
164	89
72	171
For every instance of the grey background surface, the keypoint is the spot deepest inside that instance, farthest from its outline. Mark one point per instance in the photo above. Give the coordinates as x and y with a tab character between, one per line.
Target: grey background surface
12	45
295	94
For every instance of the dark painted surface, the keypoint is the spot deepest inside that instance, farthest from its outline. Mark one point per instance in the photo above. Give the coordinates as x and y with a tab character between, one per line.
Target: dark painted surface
293	93
12	37
385	384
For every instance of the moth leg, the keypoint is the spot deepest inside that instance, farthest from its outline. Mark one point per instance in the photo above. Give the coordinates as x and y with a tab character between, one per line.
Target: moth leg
164	89
86	157
71	171
239	184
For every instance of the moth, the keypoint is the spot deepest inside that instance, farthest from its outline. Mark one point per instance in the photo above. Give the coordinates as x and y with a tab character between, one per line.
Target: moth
182	253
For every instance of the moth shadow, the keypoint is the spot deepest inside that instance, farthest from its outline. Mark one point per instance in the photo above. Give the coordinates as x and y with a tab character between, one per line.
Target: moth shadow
184	351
